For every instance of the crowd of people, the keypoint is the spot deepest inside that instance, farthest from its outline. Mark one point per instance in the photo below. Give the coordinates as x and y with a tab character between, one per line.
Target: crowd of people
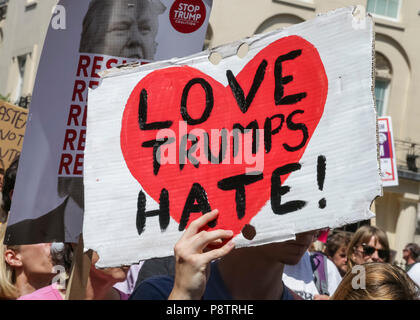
205	264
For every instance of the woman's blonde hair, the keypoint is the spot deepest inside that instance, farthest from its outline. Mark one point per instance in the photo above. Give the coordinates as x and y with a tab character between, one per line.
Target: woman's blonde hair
363	235
382	281
8	290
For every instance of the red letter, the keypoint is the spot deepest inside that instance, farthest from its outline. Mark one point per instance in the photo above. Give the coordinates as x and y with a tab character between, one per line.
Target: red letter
82	140
79	88
71	135
78	165
84	62
96	66
65	162
111	61
93	84
84	116
75	112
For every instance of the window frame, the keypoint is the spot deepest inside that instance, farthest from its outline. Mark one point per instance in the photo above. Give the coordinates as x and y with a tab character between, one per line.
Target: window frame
21	64
386	96
397	19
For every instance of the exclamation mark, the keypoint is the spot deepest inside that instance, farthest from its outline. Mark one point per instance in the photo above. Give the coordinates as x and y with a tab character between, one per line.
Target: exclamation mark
322	164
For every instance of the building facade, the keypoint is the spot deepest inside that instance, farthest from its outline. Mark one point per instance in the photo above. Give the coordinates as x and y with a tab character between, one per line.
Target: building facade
397	25
22	33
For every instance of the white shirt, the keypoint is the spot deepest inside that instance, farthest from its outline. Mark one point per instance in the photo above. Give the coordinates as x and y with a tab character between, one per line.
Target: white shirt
414	273
300	278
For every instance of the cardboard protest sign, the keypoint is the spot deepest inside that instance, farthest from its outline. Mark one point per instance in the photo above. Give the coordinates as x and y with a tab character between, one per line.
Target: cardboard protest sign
12	131
389	170
85	37
282	140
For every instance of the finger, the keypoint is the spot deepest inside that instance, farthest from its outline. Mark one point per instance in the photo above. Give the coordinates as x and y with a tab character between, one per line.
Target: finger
215	244
198	223
202	239
218	253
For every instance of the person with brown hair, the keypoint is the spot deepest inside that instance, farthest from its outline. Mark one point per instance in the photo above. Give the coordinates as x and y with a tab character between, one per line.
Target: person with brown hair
3	213
8	186
377	281
1	178
411	255
336	250
368	244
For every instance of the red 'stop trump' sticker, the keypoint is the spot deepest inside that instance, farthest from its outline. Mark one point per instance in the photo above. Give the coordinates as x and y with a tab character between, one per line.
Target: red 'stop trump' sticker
187	16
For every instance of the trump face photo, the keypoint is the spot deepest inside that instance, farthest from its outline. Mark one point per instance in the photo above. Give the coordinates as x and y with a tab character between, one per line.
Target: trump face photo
122	28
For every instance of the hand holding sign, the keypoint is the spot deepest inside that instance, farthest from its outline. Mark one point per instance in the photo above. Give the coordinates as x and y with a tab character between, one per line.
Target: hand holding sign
193	257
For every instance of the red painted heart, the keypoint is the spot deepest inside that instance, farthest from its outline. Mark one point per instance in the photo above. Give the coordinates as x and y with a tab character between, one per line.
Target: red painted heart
282	90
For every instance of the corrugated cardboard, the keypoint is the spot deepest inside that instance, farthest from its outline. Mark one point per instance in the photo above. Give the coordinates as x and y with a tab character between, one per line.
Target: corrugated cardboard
334	174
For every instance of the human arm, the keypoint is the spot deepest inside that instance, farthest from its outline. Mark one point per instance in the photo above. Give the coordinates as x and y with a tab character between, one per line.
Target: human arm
193	253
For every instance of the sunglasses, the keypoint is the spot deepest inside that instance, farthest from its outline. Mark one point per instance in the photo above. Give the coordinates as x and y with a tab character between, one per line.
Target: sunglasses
369	250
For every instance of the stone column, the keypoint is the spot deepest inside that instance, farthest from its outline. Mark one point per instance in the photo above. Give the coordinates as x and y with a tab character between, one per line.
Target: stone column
406	223
373	209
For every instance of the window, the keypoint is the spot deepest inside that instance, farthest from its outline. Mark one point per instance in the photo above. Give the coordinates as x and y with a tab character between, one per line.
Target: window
209	38
30	4
279	21
3	9
386	8
353	226
382	83
381	94
21	63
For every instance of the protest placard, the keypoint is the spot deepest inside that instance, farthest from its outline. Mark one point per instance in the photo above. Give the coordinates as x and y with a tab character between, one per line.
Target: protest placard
12	131
85	37
387	153
162	148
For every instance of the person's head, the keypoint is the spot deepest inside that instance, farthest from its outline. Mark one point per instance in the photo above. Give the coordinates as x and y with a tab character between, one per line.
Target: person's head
9	184
3	213
336	250
288	252
381	281
411	253
1	178
62	255
8	289
368	244
123	28
31	262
